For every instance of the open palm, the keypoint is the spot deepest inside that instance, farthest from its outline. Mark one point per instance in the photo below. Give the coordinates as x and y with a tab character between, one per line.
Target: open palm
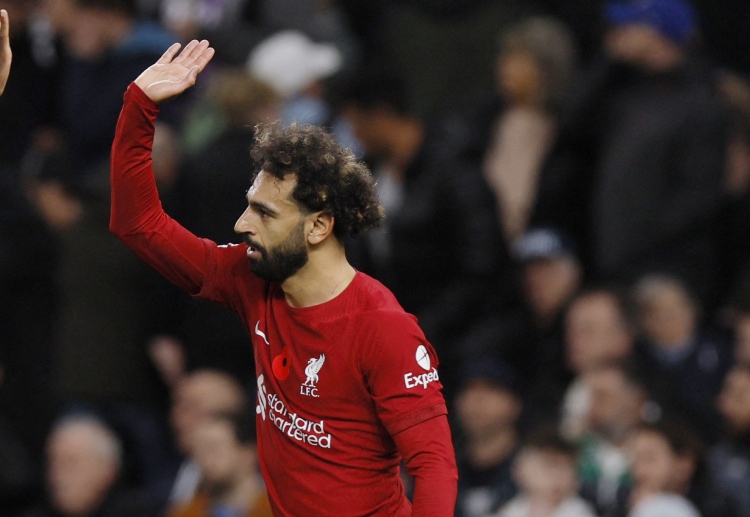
170	75
5	53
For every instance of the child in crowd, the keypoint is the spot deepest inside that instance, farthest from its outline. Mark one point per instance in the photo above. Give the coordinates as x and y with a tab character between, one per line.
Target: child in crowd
545	472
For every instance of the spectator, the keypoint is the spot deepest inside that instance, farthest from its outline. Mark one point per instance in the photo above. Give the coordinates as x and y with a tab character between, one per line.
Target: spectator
729	461
436	209
665	457
197	396
488	407
83	470
512	130
648	119
597	331
618	403
546	474
686	366
551	275
105	46
301	70
231	484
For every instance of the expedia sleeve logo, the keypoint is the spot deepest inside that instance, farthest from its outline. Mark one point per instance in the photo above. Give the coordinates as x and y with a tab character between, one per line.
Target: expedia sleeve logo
412	380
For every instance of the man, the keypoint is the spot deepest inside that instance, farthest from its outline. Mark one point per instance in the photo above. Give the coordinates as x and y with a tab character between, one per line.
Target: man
197	396
6	56
648	134
618	401
488	408
728	462
84	462
347	383
225	450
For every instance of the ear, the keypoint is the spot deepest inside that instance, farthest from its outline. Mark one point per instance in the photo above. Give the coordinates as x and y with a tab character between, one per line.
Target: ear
322	227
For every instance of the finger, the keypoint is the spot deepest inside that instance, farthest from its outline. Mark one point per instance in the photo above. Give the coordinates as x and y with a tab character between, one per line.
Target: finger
169	54
191	59
4	27
184	56
202	60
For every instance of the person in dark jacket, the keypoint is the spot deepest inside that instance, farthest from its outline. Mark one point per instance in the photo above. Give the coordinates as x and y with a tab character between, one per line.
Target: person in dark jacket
648	118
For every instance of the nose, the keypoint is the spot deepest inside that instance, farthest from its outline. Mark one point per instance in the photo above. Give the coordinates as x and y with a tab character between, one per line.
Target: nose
244	225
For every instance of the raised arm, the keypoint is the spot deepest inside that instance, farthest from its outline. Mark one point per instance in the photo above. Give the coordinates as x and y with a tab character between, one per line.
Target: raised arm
6	56
137	217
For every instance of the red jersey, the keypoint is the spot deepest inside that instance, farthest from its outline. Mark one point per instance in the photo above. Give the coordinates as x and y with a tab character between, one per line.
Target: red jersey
338	383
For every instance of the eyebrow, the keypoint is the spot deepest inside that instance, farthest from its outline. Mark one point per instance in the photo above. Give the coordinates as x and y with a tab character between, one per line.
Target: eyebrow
262	206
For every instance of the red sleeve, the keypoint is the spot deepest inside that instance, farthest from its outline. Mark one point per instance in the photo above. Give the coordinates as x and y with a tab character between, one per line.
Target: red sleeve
136	216
427	450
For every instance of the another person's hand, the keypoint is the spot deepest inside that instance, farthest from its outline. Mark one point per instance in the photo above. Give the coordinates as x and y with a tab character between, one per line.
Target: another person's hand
5	54
170	75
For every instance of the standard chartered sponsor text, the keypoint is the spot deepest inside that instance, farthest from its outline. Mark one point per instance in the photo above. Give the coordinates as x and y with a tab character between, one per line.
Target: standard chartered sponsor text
296	427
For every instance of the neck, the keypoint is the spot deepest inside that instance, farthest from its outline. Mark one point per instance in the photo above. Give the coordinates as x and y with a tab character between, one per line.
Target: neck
486	451
325	276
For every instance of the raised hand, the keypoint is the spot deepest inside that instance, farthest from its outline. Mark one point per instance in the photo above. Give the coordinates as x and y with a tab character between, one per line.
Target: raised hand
170	75
5	54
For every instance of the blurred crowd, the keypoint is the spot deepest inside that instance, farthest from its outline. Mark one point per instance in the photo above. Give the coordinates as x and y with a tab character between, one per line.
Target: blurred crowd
567	189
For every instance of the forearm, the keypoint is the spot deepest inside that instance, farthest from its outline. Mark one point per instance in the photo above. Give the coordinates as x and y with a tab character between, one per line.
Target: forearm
427	450
136	215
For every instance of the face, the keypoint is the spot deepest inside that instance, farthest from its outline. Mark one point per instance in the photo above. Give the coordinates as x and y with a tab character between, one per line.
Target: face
483	408
655	467
734	402
195	398
548	284
614	406
668	318
548	475
77	477
83	30
519	78
595	332
369	128
222	460
274	228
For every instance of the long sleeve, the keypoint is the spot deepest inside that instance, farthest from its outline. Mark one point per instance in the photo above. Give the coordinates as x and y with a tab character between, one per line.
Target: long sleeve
427	450
137	217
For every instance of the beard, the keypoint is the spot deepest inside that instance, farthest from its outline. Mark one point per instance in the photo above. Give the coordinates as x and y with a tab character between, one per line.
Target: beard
279	263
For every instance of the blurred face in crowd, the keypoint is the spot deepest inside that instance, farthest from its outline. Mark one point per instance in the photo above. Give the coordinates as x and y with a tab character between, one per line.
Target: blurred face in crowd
655	466
484	408
519	78
87	32
667	314
222	459
371	128
19	12
643	46
734	401
615	406
548	284
198	396
548	475
80	470
596	332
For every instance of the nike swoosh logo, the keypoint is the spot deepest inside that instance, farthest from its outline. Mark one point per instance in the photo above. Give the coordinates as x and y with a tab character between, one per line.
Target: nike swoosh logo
260	332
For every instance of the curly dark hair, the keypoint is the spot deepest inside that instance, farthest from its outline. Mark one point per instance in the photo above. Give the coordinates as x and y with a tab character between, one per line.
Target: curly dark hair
329	177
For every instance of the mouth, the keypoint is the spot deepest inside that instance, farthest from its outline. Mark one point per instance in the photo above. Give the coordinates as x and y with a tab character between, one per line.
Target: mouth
253	250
